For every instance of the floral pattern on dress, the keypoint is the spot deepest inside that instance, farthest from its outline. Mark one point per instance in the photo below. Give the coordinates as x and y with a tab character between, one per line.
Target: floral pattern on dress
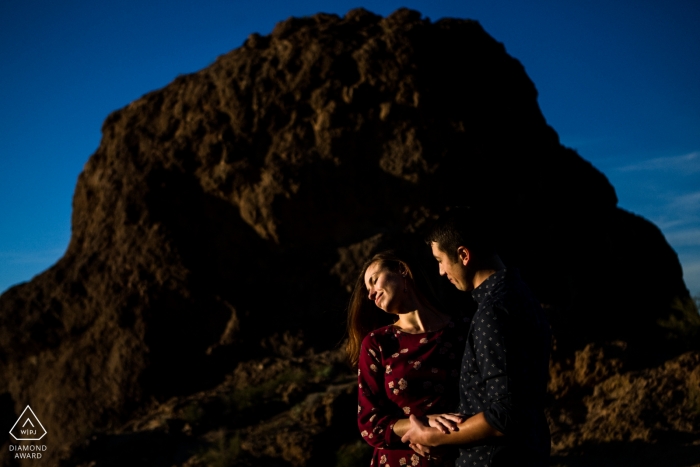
417	380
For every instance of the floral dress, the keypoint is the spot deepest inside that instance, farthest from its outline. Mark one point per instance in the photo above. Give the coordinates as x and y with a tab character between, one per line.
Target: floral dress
400	374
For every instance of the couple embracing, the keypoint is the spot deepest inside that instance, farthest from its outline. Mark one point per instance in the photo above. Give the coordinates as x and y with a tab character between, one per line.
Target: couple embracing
436	390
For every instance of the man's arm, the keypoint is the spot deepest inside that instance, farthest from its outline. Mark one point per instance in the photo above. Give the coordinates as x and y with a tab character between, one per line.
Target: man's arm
490	342
474	430
445	423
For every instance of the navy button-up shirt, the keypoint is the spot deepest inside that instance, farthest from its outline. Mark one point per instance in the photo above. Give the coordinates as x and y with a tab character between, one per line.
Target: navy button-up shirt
504	373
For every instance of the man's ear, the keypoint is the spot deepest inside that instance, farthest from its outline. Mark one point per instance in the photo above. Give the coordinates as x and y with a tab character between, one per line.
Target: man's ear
463	255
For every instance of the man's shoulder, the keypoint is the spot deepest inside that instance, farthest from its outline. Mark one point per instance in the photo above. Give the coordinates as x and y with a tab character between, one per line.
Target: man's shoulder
511	300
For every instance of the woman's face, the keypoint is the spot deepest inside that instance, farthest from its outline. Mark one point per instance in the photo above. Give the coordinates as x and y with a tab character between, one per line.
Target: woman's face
384	287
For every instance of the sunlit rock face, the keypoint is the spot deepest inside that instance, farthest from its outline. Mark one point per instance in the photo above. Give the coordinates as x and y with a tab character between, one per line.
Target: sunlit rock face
224	216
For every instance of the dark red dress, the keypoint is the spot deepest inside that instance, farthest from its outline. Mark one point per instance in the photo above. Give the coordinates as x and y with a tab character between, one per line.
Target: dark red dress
400	374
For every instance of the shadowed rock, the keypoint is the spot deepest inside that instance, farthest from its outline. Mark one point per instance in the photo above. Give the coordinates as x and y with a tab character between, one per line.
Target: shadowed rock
224	217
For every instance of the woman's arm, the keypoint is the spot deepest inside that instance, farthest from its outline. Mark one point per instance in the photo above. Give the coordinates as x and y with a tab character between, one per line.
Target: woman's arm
376	414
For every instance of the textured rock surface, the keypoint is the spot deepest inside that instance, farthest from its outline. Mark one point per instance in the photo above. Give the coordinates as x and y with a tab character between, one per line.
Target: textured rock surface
647	417
223	217
268	412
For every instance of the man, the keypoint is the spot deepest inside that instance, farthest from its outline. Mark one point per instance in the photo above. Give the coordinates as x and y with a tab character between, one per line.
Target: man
504	373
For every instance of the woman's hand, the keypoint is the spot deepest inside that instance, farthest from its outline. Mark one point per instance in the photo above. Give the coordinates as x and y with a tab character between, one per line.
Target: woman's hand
445	422
429	452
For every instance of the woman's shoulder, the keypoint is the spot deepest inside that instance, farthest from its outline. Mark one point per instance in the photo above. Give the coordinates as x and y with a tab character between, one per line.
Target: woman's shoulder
374	338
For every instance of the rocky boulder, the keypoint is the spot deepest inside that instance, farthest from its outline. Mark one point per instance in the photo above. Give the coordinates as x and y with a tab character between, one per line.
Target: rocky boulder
223	217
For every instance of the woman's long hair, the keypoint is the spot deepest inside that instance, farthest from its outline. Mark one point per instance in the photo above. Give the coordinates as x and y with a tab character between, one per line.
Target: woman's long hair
364	316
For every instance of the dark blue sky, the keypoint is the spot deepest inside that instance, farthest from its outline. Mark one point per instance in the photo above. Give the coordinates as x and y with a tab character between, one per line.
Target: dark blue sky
618	80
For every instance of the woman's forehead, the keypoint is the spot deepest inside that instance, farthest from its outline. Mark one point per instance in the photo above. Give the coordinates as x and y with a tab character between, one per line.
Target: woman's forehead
372	269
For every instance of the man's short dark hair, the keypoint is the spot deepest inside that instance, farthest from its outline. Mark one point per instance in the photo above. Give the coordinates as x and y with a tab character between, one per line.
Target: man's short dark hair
463	226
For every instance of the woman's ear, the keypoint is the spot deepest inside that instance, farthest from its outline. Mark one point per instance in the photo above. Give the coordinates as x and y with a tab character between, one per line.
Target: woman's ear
403	269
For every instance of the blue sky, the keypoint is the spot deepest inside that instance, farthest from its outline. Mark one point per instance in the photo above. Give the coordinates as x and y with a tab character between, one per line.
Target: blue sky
616	79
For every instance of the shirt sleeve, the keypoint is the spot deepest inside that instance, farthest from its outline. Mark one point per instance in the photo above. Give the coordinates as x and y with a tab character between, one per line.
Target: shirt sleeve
491	357
376	414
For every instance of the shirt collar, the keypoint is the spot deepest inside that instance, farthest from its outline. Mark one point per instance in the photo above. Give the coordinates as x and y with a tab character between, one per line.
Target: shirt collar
486	287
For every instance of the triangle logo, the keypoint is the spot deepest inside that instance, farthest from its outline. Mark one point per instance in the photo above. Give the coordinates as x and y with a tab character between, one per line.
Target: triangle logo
28	427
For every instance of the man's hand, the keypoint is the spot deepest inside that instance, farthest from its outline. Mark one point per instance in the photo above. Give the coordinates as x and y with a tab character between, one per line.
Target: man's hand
418	433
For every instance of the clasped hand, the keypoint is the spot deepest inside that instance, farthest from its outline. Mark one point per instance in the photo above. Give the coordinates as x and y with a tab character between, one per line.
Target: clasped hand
420	435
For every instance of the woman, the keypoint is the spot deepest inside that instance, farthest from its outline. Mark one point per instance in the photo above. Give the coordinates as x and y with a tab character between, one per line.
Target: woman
408	367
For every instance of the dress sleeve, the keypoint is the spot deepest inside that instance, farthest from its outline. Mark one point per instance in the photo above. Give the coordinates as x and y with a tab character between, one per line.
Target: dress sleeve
491	360
376	414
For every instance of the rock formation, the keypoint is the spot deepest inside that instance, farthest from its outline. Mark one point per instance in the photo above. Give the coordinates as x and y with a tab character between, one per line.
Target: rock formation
223	218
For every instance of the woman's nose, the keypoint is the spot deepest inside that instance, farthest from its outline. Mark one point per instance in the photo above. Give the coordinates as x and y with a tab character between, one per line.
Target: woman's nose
371	293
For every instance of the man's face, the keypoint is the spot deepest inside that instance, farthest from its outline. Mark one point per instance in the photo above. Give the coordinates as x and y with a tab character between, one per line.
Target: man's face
456	271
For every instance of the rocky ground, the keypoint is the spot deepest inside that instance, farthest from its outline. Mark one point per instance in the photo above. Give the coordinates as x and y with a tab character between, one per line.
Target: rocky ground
300	412
611	417
268	412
